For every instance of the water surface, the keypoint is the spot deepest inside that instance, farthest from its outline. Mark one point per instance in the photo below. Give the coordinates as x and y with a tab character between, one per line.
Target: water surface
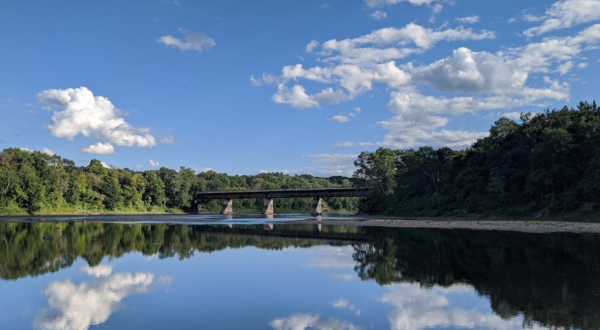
244	273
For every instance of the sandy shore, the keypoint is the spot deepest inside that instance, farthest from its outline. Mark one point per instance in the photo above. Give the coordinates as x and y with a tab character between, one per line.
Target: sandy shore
503	225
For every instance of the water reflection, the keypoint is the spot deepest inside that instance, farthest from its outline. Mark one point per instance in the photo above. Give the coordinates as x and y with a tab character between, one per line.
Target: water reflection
78	306
301	321
415	309
411	278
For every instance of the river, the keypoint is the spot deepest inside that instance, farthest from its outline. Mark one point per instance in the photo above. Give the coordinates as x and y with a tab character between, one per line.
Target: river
243	272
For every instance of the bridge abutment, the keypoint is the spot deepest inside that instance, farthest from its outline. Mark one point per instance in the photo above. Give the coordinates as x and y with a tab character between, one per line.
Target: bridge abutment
268	207
227	206
317	206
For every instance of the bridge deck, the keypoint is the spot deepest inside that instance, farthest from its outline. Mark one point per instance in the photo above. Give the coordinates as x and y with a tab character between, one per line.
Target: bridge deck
283	193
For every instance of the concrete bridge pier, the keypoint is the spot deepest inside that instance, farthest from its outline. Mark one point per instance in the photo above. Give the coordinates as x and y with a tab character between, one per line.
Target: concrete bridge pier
268	226
227	206
317	207
268	207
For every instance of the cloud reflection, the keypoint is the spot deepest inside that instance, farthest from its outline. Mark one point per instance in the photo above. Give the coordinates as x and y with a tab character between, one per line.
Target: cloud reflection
301	321
417	308
98	271
332	257
77	307
343	304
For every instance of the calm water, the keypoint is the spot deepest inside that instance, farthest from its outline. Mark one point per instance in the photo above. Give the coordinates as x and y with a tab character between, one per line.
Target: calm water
247	274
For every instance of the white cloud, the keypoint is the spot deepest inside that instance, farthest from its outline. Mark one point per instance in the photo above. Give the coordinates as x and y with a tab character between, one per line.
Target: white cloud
77	307
378	15
339	118
381	3
153	163
80	112
469	71
425	98
311	46
300	321
25	149
512	115
197	41
410	34
106	165
100	149
565	14
47	108
295	97
47	151
542	56
468	19
168	140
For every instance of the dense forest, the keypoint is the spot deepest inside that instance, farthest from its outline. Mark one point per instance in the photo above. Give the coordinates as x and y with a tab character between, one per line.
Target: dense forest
34	182
545	165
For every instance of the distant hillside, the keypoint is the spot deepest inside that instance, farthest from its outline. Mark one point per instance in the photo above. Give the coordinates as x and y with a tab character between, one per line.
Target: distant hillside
34	182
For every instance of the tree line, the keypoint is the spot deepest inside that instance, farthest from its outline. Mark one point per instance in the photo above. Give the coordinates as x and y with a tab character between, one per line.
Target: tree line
545	165
34	182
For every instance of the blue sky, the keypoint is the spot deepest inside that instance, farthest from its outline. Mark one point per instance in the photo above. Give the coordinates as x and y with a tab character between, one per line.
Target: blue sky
296	86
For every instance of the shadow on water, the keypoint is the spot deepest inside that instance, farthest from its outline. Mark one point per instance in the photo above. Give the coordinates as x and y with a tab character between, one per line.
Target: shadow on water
551	279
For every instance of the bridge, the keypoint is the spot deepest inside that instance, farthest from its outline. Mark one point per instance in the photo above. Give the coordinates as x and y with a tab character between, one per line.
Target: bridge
268	196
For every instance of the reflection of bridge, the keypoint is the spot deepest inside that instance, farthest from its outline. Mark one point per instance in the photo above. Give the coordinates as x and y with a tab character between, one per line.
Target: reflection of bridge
268	195
283	231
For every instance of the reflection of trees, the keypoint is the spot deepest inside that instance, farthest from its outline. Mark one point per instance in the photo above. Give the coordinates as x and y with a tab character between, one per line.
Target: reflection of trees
24	252
551	278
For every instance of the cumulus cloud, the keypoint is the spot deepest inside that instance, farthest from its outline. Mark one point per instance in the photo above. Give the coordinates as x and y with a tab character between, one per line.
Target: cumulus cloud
425	98
295	97
77	307
469	71
302	321
378	15
339	118
197	41
565	14
47	151
153	163
311	46
468	19
100	149
512	115
80	112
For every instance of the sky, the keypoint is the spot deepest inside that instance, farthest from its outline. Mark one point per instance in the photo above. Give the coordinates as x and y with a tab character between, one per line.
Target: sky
292	86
